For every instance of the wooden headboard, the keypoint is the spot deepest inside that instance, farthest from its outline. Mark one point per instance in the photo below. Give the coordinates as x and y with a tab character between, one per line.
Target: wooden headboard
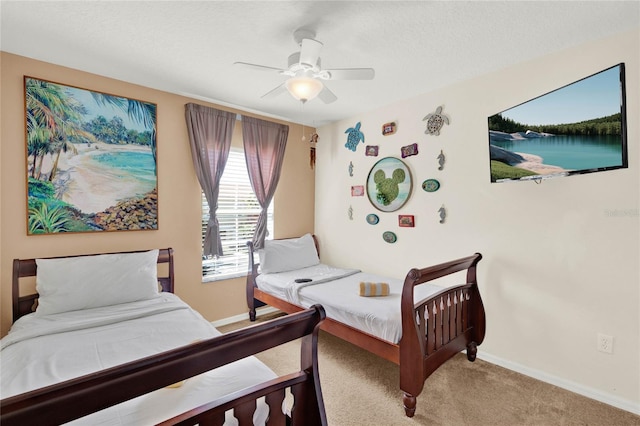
23	268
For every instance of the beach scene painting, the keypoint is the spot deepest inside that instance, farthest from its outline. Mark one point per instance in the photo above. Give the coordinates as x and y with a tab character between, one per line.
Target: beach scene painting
91	160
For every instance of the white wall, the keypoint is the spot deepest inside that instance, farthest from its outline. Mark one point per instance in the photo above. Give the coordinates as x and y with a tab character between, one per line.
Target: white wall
558	268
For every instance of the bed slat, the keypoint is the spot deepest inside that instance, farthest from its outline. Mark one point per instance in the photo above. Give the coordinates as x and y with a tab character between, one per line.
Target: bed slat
274	400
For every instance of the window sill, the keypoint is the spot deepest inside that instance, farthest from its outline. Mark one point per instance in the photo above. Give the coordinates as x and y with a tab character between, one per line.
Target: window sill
222	277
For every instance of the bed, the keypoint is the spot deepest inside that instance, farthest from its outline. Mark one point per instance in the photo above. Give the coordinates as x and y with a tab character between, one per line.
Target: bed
419	325
91	355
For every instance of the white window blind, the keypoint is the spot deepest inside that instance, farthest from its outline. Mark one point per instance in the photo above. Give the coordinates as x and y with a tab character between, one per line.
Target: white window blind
238	211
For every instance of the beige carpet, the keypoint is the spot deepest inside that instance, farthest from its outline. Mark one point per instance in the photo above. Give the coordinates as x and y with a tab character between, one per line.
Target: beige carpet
362	389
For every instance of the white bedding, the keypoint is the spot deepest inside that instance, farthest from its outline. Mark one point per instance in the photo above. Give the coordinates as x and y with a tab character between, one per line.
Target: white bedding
43	350
337	290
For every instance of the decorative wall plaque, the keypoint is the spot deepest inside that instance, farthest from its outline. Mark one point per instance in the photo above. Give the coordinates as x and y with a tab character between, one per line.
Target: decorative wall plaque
431	185
406	221
388	128
389	237
435	121
355	136
357	190
373	219
389	184
441	160
409	150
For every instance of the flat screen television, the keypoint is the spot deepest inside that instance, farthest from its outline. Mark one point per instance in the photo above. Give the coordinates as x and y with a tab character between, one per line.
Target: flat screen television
576	129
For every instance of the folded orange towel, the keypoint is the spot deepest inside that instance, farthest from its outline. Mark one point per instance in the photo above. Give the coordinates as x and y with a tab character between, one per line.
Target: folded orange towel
374	289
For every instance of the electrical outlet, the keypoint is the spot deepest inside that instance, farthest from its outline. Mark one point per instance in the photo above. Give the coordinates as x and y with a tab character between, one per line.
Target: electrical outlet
605	343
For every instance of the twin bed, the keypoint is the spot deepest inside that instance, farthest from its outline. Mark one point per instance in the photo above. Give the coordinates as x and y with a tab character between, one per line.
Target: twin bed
99	344
419	325
105	347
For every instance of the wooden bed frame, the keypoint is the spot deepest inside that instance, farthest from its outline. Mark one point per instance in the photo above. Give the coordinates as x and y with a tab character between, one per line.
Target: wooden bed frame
433	330
72	399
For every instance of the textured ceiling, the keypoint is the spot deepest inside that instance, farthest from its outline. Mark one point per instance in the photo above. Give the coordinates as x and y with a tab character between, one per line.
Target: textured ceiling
189	47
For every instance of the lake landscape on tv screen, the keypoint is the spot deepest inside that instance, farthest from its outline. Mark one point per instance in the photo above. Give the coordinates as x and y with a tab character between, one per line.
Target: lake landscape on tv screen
579	128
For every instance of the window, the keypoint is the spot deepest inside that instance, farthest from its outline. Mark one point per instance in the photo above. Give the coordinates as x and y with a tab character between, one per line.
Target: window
238	211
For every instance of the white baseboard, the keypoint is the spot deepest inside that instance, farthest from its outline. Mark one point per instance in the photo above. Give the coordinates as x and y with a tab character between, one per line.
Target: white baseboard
615	401
241	317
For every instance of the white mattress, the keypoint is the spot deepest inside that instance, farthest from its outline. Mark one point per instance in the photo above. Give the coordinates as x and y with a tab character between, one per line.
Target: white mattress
39	351
337	290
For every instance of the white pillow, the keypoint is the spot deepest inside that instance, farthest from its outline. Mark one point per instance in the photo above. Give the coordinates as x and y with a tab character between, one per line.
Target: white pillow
287	255
82	282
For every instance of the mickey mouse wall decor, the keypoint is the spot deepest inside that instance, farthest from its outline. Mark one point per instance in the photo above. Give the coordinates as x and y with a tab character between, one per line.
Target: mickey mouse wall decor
389	184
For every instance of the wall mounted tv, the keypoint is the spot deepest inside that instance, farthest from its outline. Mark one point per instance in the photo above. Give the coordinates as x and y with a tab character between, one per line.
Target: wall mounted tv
578	128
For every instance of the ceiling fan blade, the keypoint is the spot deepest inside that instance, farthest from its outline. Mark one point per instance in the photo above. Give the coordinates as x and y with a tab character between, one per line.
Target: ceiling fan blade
310	51
258	67
351	74
327	95
275	92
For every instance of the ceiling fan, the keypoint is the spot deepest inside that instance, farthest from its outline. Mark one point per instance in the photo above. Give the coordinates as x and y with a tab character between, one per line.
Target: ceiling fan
305	72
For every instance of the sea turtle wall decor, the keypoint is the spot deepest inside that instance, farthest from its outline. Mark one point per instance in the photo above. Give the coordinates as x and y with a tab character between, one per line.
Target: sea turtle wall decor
355	136
435	121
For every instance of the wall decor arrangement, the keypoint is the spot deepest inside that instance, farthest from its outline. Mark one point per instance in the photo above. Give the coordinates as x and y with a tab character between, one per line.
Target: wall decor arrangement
406	221
389	237
389	128
355	136
371	150
357	190
389	184
373	219
431	185
350	168
435	121
443	213
91	160
441	159
409	150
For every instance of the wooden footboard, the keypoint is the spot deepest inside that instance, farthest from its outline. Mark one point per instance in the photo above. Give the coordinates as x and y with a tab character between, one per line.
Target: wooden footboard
433	330
79	397
437	328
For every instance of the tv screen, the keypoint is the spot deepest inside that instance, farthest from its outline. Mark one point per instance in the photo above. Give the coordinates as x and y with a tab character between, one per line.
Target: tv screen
578	128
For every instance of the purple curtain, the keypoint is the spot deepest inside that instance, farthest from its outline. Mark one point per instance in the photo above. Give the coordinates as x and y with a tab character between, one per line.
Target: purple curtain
264	146
210	133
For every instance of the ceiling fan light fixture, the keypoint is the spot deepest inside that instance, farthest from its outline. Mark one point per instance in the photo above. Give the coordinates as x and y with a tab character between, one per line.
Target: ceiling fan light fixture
304	88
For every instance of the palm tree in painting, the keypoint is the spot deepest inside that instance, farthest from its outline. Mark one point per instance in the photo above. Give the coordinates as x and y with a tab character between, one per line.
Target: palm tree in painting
37	140
141	112
52	117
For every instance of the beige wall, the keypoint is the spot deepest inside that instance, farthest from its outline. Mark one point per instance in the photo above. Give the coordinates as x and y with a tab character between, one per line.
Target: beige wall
558	268
179	191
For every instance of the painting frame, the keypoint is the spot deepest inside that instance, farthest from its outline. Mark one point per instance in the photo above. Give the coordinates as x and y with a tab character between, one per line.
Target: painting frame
90	158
